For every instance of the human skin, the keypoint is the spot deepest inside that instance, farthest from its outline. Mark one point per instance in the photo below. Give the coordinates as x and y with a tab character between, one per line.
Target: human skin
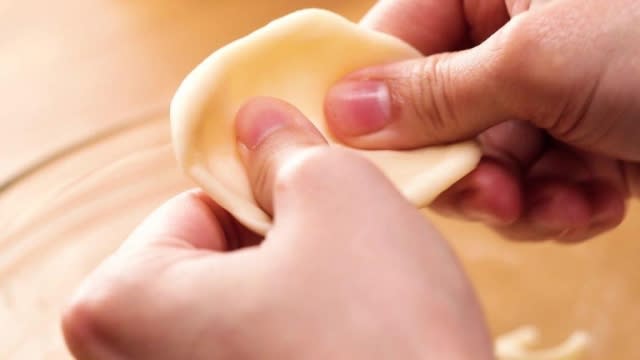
551	90
338	277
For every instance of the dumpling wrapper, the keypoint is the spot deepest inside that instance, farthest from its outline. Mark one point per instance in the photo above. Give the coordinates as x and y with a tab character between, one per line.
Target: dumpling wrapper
295	58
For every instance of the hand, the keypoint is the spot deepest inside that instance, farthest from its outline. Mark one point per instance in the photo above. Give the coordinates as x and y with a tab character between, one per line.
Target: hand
551	89
350	270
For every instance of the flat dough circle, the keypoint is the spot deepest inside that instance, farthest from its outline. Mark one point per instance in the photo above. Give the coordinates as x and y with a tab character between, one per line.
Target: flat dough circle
295	58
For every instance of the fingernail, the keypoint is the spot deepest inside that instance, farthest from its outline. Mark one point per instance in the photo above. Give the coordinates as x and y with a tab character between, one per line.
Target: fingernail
256	120
357	108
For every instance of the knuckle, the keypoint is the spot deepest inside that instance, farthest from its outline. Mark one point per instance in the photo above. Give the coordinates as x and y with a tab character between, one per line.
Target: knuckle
79	326
320	166
518	52
269	159
430	100
87	319
295	172
530	65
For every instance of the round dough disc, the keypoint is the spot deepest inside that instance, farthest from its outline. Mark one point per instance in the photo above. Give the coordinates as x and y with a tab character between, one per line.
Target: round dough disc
295	58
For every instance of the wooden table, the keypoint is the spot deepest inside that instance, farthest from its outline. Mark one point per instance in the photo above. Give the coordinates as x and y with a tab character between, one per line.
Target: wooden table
84	133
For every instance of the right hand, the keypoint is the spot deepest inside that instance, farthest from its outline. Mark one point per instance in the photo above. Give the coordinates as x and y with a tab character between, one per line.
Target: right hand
551	89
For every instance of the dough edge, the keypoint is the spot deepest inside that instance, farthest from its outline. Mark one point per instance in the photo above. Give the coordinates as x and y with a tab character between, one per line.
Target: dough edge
194	92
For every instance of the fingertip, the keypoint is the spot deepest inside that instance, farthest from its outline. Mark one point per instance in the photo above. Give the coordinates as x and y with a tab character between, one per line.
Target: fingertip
269	131
414	103
259	117
491	194
497	193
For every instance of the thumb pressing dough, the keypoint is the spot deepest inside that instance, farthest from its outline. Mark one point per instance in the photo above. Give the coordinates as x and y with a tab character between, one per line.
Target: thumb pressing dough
295	58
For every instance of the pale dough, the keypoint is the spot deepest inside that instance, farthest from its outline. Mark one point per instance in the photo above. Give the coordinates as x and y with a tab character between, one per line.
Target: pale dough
514	346
295	58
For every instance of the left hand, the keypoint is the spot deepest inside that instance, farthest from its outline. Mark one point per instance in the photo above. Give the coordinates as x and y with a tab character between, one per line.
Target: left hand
350	269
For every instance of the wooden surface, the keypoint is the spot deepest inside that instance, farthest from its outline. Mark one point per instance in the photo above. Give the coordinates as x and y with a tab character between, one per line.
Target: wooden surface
84	137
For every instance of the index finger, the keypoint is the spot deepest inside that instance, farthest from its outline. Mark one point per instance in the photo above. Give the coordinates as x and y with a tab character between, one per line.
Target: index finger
434	26
190	220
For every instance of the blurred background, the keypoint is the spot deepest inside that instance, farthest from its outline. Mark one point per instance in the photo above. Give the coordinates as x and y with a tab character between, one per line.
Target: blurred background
85	89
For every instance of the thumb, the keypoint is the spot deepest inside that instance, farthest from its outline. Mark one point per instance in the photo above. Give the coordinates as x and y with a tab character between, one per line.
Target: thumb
270	133
294	176
436	99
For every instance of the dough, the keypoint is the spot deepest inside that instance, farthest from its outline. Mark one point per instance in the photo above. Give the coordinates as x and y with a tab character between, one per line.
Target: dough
295	58
513	346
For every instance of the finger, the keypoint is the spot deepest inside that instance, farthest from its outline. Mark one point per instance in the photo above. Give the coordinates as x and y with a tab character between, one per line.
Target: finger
563	161
596	180
606	202
437	99
431	26
484	17
453	96
556	206
356	109
568	211
115	312
434	26
516	144
572	212
93	320
491	193
516	7
334	210
297	179
270	132
190	220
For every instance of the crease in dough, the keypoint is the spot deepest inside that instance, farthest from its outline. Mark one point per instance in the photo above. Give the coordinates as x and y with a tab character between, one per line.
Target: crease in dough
295	58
